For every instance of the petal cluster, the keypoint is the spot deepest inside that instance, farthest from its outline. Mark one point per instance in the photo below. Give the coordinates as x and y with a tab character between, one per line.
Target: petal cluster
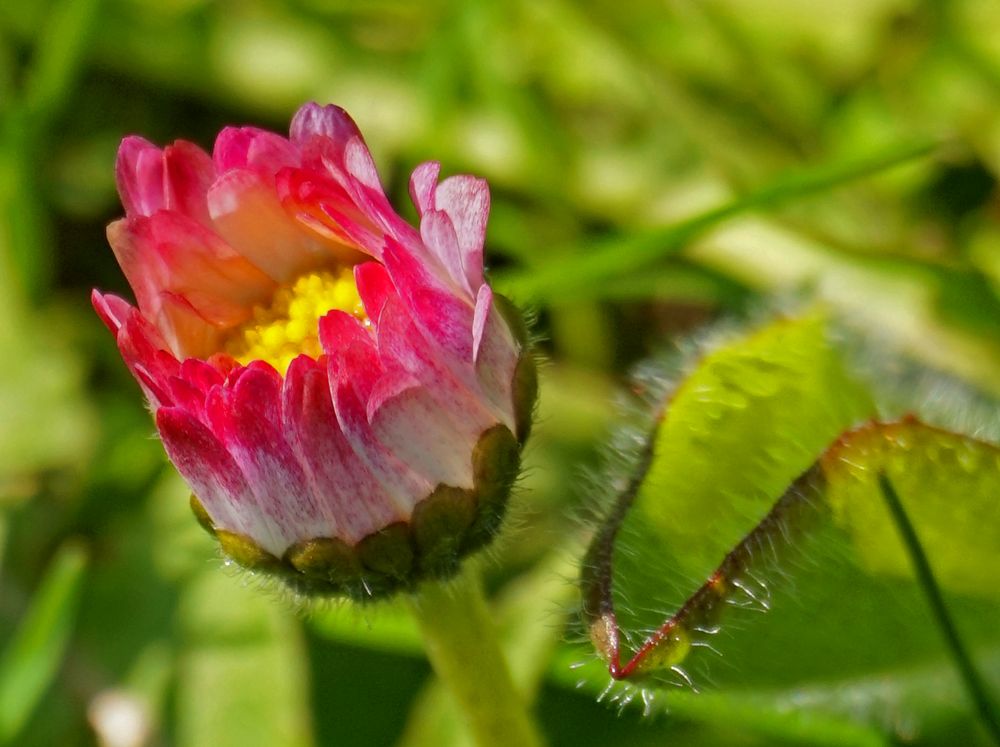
386	453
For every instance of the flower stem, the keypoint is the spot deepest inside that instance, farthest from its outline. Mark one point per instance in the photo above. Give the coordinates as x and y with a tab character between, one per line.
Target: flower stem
974	685
462	644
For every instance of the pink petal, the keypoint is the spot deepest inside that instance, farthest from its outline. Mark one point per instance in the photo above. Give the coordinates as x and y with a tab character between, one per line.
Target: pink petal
185	330
142	351
253	148
323	207
189	389
355	503
339	330
484	303
247	214
412	426
402	486
374	286
358	366
439	236
423	183
188	172
201	375
169	252
389	385
496	356
334	150
139	173
402	346
446	319
112	309
466	200
246	418
328	121
211	472
360	164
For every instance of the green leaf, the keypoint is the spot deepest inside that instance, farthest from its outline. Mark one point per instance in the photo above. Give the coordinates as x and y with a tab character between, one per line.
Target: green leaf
737	431
736	507
32	657
948	485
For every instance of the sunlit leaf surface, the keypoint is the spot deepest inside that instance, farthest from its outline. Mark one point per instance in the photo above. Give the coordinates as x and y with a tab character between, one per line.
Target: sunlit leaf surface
751	547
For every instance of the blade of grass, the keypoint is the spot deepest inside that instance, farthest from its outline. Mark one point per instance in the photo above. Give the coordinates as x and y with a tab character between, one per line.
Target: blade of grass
618	255
60	48
32	657
974	685
24	232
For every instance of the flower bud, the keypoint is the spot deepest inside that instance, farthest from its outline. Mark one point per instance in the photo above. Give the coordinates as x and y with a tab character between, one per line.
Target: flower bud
344	393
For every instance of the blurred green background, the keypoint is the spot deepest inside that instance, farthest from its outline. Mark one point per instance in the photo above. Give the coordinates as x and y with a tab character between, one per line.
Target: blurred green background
654	165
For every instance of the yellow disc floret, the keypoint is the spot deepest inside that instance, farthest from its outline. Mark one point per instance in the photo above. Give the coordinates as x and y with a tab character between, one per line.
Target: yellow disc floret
289	326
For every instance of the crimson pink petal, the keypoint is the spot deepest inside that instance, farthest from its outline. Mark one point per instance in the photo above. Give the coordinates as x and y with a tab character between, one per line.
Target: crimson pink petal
324	207
358	365
247	213
439	236
403	487
170	252
201	375
466	200
188	172
142	352
374	287
355	502
403	346
339	330
139	174
210	471
247	419
253	148
112	309
412	426
423	183
445	318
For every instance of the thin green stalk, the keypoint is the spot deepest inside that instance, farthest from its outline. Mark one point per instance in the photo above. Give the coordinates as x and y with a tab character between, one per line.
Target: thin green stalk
462	643
31	658
617	256
974	684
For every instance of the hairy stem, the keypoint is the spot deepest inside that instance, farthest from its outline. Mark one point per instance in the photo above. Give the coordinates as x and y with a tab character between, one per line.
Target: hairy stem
462	644
974	684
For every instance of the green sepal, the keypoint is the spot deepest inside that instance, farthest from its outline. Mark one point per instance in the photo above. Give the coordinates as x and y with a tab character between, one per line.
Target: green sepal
201	515
440	522
524	388
496	461
524	393
514	319
247	553
388	552
325	559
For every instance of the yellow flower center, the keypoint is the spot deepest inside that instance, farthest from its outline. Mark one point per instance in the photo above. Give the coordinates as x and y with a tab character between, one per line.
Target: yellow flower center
289	326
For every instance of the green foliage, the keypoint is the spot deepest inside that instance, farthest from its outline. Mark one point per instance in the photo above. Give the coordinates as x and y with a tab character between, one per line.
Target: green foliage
654	166
724	519
33	655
